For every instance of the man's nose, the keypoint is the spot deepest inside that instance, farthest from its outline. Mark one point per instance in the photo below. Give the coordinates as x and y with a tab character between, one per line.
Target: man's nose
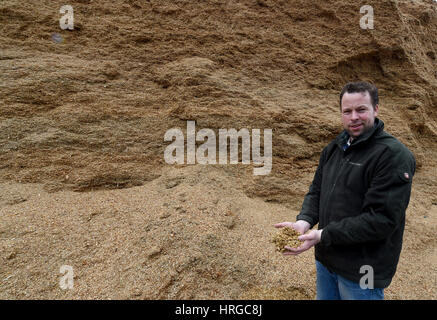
354	115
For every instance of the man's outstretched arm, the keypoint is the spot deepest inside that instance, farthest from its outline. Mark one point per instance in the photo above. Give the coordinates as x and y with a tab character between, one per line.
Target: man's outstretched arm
310	205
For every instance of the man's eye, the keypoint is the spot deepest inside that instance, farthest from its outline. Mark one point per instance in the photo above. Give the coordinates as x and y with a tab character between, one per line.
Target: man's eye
346	112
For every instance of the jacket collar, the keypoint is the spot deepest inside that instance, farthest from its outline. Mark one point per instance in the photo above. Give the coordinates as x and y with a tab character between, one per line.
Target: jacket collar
343	137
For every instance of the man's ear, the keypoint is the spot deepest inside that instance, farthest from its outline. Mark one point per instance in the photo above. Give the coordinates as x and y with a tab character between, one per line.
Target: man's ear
376	109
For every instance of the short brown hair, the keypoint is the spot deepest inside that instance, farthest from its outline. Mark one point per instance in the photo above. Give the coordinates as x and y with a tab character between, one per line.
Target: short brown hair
361	86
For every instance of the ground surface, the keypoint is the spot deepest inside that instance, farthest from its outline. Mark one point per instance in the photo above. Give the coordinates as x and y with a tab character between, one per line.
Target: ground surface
83	115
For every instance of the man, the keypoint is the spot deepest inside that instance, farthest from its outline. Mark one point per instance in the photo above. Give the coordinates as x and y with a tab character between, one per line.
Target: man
359	195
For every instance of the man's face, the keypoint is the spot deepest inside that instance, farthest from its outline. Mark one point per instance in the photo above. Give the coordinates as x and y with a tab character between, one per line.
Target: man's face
357	113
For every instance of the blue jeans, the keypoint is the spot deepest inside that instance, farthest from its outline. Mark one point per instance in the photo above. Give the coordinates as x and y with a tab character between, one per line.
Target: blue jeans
331	286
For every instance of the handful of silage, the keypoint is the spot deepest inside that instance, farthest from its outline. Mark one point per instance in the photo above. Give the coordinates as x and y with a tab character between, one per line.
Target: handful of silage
286	237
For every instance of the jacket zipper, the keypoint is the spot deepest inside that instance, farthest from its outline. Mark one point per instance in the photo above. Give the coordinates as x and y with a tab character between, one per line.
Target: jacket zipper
343	162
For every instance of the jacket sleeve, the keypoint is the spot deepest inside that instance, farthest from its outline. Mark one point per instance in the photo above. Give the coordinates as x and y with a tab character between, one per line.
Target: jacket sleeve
384	205
310	206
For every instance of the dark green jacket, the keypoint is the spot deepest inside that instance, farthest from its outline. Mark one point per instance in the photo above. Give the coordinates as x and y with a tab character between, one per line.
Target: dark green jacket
359	197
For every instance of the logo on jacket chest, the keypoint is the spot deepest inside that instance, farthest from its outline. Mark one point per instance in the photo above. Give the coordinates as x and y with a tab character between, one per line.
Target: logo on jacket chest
355	164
